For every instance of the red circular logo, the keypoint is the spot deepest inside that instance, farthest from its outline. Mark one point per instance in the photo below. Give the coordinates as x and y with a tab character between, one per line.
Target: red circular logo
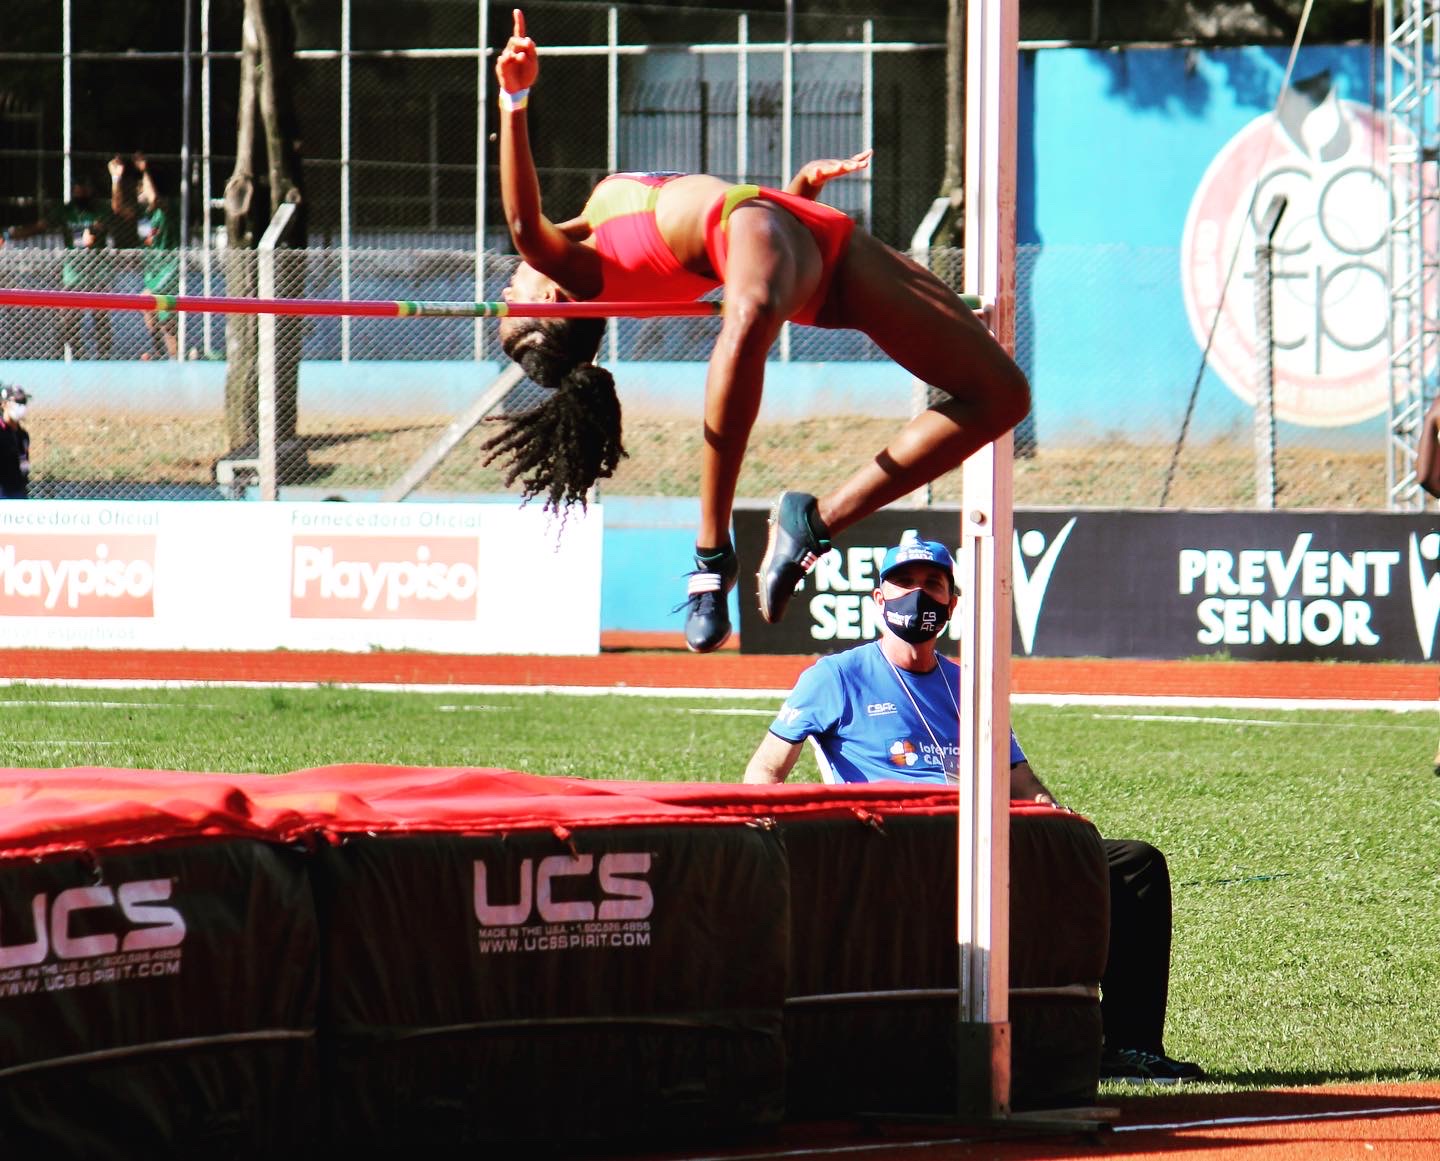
1330	300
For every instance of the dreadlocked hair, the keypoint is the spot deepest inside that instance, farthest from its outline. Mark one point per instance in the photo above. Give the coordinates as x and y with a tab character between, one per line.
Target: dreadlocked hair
560	448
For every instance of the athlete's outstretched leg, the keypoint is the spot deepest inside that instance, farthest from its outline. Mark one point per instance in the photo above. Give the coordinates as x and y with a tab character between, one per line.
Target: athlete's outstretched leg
921	323
772	268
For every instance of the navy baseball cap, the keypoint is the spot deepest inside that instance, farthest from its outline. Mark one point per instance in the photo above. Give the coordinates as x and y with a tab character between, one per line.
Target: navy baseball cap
912	548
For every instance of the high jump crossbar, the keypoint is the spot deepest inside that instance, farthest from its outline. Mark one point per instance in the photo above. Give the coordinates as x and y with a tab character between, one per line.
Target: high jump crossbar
364	308
356	308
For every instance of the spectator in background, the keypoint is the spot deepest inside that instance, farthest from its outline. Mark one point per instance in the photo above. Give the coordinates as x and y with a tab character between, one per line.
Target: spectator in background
162	261
14	443
82	225
124	204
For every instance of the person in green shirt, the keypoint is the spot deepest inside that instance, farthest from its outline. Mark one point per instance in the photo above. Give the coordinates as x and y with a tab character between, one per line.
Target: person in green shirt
161	267
83	226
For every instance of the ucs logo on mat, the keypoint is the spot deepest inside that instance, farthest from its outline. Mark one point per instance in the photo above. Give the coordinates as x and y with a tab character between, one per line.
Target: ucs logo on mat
567	902
1331	307
86	936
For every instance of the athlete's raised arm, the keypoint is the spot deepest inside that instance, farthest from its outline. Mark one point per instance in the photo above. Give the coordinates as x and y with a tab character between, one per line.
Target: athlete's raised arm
550	249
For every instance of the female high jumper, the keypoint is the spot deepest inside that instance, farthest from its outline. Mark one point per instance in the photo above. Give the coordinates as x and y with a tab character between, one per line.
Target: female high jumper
781	257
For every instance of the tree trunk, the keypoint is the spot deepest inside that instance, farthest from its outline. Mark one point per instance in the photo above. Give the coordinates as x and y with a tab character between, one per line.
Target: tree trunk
952	182
266	102
241	371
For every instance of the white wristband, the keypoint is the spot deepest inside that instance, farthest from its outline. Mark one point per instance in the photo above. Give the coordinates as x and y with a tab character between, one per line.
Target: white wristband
516	100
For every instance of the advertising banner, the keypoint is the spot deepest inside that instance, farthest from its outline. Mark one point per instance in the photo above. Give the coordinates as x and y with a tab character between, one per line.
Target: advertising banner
454	578
1293	586
833	609
1181	151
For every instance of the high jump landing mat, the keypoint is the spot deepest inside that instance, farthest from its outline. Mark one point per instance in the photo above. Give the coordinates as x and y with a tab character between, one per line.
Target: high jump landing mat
381	958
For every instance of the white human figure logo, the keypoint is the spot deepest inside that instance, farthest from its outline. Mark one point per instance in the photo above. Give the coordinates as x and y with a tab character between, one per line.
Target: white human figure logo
1030	587
1424	591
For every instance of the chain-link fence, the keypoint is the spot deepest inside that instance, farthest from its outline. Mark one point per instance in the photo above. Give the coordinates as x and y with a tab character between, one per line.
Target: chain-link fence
112	415
401	197
394	101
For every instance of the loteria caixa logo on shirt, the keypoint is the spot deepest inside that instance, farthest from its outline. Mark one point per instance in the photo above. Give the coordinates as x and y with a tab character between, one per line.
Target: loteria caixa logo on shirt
432	578
77	576
1330	297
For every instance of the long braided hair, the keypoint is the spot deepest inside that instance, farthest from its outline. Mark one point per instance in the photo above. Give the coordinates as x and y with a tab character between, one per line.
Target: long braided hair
562	447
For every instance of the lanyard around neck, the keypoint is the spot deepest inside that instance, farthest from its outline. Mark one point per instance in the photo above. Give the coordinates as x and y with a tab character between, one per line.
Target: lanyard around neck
924	721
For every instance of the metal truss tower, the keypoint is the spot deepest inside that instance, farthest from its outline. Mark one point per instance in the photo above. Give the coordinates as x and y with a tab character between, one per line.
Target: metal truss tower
1412	139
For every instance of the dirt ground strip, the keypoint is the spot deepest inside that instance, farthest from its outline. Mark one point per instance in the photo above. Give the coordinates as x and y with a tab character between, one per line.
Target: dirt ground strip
81	451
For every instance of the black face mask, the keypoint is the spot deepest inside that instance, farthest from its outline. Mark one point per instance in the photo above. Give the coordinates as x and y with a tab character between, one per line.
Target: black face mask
916	617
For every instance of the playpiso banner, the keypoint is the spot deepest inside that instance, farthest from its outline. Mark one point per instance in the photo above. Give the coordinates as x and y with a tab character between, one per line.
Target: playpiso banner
1293	586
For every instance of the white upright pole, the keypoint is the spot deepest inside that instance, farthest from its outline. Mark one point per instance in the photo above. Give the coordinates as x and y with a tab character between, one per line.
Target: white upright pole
867	125
986	534
187	88
612	131
207	240
1265	354
67	104
787	130
482	133
345	272
742	96
268	364
67	128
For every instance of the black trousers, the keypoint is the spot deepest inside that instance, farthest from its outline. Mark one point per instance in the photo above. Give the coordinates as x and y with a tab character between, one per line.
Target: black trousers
1136	983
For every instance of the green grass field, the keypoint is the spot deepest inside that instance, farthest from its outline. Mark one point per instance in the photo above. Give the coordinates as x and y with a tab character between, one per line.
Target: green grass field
1304	846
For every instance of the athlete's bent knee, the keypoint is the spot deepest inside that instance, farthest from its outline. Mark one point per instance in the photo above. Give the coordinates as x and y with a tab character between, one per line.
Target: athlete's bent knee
750	317
1003	401
1013	400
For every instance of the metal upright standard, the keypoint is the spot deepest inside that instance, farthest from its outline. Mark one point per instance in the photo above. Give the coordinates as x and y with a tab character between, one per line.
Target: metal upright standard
985	534
1412	139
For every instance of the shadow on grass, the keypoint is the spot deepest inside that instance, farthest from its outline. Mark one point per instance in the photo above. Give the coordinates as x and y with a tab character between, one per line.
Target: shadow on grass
1278	1078
1268	1094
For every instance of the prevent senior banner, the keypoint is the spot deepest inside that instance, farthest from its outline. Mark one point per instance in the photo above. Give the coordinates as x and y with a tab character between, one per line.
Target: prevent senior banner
222	575
1293	586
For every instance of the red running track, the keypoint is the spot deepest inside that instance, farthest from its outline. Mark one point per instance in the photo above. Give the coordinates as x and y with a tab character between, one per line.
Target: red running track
728	669
1395	1122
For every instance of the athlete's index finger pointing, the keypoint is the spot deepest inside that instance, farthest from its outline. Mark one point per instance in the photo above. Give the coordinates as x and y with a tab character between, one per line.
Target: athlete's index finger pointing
519	23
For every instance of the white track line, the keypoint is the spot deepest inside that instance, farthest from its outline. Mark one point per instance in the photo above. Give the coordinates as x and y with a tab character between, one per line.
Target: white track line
1167	718
400	687
1280	703
706	692
165	705
1219	1122
886	1148
945	1142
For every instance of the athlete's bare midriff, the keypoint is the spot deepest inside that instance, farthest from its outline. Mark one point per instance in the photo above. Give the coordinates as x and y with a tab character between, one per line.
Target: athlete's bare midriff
680	210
